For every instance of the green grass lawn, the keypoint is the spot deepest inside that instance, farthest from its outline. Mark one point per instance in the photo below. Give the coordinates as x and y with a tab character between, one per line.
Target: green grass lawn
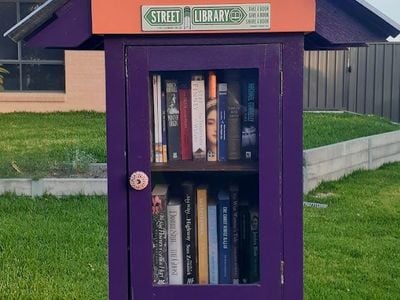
352	247
330	128
43	145
53	248
56	248
40	145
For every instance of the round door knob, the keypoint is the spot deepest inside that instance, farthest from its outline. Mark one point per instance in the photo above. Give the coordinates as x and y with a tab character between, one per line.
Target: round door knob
139	180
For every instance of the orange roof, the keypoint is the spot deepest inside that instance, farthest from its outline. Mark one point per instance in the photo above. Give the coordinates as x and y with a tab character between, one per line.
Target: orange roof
125	16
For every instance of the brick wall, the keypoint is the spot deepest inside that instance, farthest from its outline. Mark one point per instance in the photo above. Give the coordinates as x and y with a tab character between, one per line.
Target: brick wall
84	88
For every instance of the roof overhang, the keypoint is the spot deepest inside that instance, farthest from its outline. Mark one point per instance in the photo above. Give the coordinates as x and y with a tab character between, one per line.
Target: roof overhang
58	24
44	13
339	24
342	23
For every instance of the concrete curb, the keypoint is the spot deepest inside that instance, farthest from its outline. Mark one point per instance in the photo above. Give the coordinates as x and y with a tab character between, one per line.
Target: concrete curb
334	161
319	164
54	186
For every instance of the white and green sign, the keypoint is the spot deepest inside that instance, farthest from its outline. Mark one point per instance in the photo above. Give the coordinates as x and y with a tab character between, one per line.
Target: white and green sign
206	17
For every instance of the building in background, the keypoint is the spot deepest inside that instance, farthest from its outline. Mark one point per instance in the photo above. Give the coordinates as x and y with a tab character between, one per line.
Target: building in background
46	79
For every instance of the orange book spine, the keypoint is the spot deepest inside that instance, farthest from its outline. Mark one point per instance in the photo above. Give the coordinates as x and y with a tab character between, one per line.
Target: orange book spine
202	235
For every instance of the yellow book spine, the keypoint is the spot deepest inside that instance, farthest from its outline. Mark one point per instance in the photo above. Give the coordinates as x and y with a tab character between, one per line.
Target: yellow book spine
202	235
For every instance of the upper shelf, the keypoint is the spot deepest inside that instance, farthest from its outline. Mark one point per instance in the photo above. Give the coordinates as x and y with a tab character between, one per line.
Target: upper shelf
205	166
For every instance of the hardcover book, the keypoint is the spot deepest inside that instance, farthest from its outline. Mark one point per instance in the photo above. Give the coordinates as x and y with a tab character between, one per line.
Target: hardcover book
175	255
249	120
185	123
224	238
159	197
222	126
234	198
211	118
233	115
189	233
173	133
213	242
198	117
202	235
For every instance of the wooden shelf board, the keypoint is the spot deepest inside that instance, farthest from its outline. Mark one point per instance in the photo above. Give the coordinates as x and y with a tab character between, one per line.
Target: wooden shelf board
205	166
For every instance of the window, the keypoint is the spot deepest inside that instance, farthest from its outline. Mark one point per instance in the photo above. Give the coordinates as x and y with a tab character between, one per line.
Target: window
27	69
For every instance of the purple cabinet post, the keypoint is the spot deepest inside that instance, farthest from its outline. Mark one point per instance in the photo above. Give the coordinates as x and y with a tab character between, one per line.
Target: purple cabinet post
275	178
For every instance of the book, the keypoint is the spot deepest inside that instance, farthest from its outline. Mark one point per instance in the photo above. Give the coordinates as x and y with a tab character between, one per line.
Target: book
159	119
213	242
189	233
164	148
157	157
234	198
249	148
224	238
254	244
202	235
211	117
173	133
159	197
244	221
233	134
175	255
151	124
185	123
222	126
198	117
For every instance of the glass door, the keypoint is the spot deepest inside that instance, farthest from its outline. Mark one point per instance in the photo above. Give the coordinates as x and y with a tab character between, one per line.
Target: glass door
203	125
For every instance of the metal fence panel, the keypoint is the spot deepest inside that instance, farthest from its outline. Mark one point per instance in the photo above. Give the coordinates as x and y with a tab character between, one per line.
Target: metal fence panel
364	80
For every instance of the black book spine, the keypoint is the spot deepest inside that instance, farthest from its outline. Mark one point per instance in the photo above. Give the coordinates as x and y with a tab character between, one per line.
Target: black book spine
233	133
234	197
254	252
244	219
173	133
189	234
249	122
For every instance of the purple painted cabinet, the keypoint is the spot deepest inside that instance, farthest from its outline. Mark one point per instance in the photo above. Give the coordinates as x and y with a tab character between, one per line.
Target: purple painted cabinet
272	221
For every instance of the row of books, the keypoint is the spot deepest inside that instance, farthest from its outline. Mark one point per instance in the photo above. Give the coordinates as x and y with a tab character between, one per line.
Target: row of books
190	126
199	240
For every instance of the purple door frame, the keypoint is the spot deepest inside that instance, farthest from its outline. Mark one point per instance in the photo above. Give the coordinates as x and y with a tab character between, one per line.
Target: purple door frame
128	152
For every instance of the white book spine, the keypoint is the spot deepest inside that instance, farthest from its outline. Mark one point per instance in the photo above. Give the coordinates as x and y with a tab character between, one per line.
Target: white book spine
156	119
175	252
198	118
159	118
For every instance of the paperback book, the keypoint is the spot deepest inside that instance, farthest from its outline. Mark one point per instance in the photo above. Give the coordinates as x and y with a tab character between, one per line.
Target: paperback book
159	197
202	235
189	233
198	118
173	133
175	255
224	238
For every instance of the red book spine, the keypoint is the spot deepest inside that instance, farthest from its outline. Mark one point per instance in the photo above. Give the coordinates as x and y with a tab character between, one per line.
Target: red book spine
186	124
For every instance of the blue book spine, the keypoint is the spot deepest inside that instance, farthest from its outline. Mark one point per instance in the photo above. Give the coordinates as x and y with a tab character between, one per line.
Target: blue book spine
224	236
222	124
212	244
